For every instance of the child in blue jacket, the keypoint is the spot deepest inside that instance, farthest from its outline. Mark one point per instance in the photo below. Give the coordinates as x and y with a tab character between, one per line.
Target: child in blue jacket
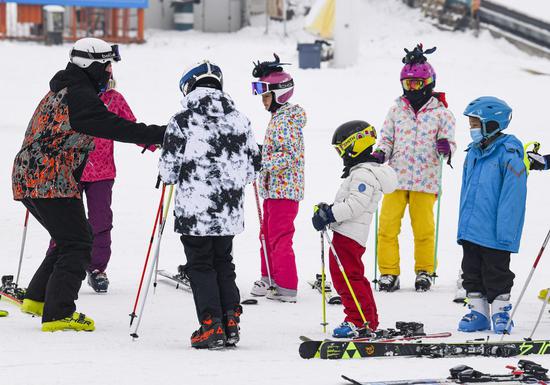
492	211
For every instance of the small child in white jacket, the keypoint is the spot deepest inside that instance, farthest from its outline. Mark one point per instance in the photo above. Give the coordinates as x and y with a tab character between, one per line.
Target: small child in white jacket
350	216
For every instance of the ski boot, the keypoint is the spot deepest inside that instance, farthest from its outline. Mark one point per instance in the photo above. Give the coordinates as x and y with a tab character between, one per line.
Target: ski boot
501	307
460	293
98	281
77	322
348	330
34	308
388	282
423	281
260	287
478	317
232	329
281	294
210	335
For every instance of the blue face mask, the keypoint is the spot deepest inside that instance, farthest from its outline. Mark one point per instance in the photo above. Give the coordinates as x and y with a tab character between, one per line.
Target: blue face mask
476	135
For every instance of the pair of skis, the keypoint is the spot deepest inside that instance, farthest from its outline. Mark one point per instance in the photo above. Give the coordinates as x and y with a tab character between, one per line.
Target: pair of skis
351	349
526	372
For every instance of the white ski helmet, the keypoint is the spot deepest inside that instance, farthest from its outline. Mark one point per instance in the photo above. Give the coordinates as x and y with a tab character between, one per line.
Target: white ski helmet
89	49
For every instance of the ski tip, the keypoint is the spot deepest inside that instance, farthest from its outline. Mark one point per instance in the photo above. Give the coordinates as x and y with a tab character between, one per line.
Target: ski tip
250	301
4	313
350	380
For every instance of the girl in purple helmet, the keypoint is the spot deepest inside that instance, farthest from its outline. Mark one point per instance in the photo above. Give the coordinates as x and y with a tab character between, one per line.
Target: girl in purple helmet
281	180
417	131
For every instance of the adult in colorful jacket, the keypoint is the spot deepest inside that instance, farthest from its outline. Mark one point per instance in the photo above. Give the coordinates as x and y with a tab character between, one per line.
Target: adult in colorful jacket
418	130
48	168
96	183
492	212
281	180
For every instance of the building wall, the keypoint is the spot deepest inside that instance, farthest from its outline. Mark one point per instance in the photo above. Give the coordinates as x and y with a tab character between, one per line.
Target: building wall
159	15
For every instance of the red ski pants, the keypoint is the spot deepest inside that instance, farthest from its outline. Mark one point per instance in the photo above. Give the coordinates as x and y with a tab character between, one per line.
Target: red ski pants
350	253
278	229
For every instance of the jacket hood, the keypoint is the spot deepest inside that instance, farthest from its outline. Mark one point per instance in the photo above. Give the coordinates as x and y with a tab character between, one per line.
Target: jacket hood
294	110
208	102
382	175
71	75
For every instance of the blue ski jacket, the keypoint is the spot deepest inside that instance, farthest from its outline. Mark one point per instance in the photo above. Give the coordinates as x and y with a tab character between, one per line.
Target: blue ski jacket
493	194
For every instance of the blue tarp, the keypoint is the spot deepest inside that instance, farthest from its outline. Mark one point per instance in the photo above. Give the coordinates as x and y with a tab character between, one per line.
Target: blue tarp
87	3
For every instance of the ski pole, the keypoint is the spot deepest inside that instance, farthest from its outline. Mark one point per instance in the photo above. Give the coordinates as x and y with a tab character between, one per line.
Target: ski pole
345	276
439	190
262	236
546	299
157	220
541	251
152	268
157	264
323	291
23	240
375	281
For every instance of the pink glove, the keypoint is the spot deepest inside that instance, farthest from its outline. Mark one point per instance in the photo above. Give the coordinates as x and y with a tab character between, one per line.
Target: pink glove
443	147
379	155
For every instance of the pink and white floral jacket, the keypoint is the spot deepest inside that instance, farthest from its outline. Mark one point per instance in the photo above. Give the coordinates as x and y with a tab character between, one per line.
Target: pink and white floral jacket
409	141
282	173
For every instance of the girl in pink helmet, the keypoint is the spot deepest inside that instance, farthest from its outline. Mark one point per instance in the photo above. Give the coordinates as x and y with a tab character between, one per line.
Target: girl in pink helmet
281	180
417	131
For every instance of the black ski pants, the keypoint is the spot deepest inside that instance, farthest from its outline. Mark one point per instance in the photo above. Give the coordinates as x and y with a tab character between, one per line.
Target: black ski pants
59	277
212	275
486	270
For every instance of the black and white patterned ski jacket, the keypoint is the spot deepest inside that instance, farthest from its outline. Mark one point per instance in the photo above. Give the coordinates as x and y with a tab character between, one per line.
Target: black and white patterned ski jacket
210	152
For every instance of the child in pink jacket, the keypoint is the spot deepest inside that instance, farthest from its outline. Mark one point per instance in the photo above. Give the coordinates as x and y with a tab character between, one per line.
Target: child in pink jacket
96	183
281	180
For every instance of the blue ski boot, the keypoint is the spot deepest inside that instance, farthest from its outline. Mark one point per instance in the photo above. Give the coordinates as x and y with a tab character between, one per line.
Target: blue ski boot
349	330
501	316
478	317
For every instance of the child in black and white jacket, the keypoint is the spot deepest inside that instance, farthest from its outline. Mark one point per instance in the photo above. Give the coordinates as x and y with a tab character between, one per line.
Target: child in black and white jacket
210	153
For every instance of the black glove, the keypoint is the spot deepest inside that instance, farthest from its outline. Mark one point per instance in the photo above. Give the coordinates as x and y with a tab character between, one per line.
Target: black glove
536	161
257	159
322	216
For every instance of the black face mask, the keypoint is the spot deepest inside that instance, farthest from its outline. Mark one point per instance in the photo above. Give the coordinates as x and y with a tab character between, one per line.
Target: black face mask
419	98
97	72
349	162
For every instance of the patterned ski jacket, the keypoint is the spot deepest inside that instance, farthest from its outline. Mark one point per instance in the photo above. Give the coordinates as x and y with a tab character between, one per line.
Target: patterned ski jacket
282	174
358	197
409	142
60	136
210	152
493	195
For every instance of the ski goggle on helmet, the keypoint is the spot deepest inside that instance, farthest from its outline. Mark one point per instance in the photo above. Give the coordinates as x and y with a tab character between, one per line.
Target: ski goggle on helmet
416	84
357	142
260	88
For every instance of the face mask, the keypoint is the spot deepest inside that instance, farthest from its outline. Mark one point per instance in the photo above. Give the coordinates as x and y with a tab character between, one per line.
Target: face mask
476	135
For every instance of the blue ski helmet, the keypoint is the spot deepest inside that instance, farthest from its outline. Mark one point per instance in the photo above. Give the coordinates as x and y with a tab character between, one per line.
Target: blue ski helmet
495	114
208	74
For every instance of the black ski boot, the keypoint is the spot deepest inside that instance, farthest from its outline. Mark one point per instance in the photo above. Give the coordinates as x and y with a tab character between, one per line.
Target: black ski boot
388	282
232	329
423	281
98	281
210	335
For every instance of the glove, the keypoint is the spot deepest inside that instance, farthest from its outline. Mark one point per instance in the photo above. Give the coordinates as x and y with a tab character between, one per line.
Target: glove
257	159
379	155
443	147
536	161
322	216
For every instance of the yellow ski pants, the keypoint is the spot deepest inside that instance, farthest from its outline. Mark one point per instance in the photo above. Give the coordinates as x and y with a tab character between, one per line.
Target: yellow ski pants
423	226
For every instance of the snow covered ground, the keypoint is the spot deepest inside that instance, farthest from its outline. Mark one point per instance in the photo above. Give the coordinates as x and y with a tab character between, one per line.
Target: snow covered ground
534	8
268	353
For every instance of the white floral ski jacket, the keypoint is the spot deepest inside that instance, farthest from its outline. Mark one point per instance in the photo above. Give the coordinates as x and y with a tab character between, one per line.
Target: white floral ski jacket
409	142
282	174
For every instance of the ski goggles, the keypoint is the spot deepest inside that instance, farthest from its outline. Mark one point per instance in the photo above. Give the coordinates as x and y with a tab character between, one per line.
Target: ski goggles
113	54
415	84
260	88
357	142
